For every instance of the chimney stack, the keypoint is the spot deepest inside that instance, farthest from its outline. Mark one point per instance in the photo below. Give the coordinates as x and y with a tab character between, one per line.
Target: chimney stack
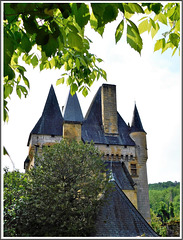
109	109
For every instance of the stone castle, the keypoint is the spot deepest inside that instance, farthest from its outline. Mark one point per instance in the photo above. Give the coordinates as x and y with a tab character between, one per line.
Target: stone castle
124	148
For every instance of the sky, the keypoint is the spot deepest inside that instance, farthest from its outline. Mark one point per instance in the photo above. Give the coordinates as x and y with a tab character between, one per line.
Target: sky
151	80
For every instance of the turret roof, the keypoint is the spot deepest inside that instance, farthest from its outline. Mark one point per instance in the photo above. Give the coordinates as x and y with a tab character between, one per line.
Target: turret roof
72	110
51	120
136	125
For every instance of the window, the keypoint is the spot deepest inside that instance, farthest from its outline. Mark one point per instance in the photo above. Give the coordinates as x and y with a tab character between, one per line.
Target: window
126	157
133	170
131	157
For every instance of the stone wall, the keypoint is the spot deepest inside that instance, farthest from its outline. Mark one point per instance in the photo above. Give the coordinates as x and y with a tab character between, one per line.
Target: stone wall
72	131
109	109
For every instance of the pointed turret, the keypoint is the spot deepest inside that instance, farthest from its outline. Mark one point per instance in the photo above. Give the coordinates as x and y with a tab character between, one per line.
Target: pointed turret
72	111
136	125
138	135
48	129
50	123
73	118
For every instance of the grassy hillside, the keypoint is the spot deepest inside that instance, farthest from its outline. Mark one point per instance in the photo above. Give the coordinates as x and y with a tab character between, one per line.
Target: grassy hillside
161	195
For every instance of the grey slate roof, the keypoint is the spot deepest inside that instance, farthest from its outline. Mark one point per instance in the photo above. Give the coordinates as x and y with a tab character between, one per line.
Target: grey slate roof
51	120
92	126
119	218
120	174
136	125
72	109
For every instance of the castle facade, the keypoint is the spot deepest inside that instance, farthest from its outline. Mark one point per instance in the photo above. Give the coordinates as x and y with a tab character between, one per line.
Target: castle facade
124	147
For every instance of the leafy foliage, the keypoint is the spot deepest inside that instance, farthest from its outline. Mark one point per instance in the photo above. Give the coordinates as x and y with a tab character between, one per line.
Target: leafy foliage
58	31
165	204
15	184
63	193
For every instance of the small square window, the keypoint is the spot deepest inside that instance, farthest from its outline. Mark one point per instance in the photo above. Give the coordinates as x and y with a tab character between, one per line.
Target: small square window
133	170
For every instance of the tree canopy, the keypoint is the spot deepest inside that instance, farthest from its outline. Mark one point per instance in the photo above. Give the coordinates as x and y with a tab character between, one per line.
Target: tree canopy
57	31
60	196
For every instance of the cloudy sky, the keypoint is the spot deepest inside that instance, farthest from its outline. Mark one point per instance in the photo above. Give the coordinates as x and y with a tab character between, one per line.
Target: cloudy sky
152	80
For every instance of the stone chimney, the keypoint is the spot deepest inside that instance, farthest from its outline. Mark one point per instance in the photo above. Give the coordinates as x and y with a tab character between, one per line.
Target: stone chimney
109	109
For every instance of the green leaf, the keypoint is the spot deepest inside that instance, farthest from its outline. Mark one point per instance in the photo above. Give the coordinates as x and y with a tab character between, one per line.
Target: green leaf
93	21
9	72
110	13
127	8
133	25
99	60
73	88
85	92
7	90
18	91
82	15
160	43
30	25
26	44
174	51
135	7
177	26
119	31
34	61
52	62
75	41
153	23
167	46
42	36
77	63
162	18
26	81
82	61
143	26
51	47
70	62
59	81
154	31
134	39
69	81
175	39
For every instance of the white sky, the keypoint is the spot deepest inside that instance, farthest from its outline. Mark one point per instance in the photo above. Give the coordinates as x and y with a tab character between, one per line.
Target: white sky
152	80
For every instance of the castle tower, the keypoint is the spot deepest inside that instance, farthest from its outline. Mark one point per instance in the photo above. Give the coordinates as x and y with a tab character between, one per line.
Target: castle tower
138	135
73	118
48	129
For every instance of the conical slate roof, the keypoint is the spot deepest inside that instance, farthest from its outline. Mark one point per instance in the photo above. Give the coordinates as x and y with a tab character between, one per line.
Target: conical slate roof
50	123
72	110
92	128
136	125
